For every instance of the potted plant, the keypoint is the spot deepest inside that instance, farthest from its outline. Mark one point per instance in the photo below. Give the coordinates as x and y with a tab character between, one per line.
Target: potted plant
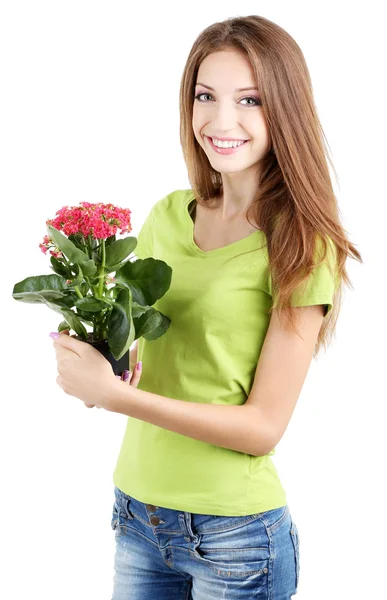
84	255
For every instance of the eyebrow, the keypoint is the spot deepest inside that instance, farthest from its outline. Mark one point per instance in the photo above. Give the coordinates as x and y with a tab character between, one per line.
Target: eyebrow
237	90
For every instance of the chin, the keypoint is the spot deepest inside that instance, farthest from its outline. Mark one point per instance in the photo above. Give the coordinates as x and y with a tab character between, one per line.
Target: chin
229	168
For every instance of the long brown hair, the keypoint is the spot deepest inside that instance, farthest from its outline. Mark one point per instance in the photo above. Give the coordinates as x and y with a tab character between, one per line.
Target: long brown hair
295	205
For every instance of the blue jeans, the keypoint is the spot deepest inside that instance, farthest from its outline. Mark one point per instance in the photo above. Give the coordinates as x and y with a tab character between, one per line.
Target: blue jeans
166	554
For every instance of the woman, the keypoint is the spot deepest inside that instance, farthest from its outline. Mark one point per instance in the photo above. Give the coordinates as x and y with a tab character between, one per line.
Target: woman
258	258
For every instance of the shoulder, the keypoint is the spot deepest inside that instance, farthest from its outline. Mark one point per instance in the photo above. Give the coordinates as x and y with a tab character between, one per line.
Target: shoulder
326	253
174	200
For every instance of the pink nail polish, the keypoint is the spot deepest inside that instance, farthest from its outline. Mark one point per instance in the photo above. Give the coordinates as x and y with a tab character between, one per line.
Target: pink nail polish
54	334
139	365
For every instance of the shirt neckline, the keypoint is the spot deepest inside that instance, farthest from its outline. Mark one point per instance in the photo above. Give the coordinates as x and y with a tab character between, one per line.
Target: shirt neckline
247	242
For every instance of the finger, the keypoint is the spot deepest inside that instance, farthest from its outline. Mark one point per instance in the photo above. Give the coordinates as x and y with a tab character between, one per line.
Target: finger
136	375
135	378
67	341
89	405
126	375
61	352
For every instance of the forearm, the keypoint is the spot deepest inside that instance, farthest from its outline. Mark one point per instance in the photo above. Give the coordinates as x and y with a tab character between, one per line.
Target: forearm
241	428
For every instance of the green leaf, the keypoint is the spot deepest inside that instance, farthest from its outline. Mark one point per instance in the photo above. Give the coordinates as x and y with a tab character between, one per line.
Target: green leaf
39	288
138	310
84	317
75	323
91	304
76	239
62	326
147	322
78	278
67	301
117	266
94	281
118	251
121	331
147	279
110	240
53	298
160	329
74	254
60	268
96	257
37	297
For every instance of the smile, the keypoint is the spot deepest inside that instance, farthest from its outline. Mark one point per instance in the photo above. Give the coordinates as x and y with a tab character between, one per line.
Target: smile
229	147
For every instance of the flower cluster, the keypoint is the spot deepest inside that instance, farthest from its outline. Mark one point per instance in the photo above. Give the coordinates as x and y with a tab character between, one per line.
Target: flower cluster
84	255
98	221
47	244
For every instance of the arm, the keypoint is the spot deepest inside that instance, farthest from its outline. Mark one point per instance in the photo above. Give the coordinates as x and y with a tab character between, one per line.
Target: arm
254	427
234	427
283	366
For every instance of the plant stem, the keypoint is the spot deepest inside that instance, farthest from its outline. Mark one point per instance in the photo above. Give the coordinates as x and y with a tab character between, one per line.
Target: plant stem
76	288
102	272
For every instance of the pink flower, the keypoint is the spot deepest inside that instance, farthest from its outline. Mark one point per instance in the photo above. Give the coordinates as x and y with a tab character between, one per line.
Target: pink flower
57	253
98	221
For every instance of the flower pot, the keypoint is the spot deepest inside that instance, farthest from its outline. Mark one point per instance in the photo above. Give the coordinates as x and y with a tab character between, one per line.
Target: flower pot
118	366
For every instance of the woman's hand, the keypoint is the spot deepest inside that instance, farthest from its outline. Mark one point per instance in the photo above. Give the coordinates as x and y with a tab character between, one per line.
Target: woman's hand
85	373
127	376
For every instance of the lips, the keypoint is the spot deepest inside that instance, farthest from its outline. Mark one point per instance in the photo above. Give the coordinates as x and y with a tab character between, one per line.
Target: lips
225	139
229	150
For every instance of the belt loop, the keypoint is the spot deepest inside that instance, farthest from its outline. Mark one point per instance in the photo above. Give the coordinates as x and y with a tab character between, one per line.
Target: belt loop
188	524
126	504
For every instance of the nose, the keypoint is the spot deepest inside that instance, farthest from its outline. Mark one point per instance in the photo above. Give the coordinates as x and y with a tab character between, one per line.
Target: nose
223	118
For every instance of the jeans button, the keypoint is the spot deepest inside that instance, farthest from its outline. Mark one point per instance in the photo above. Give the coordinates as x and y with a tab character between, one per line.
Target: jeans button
151	507
155	520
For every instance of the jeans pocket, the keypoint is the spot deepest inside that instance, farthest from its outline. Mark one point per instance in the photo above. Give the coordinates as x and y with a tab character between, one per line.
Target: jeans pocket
274	518
121	516
296	545
122	505
115	520
237	553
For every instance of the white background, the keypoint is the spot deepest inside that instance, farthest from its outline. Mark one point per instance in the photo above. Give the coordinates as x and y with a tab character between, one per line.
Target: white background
89	111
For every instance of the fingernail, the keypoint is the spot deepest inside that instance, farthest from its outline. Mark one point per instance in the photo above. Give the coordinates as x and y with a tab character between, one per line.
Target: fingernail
126	375
118	377
54	334
139	365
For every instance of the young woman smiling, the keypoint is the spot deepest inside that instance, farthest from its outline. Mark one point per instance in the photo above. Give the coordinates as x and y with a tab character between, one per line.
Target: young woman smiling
258	257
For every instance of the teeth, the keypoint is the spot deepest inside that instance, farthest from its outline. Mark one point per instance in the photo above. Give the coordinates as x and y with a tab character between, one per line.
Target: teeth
220	144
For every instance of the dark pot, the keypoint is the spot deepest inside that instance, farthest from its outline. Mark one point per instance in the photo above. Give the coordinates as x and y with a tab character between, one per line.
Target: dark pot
118	366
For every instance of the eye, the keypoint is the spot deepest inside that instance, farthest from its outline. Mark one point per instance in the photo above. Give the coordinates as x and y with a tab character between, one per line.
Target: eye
202	94
256	100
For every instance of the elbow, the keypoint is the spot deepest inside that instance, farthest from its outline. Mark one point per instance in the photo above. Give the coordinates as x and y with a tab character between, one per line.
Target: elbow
264	449
265	440
263	445
268	444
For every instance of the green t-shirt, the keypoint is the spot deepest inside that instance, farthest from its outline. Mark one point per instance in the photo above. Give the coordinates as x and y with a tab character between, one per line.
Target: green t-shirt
218	304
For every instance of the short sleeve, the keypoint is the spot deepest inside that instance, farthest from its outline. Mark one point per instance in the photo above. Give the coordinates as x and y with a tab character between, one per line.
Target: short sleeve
322	283
144	248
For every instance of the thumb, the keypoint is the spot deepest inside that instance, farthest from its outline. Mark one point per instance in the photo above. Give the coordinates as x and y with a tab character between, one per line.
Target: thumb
69	342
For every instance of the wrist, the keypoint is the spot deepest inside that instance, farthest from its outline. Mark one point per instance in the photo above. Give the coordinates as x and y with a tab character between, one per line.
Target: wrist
120	396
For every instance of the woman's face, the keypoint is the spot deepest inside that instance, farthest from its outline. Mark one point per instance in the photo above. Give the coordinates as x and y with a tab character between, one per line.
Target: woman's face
221	111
